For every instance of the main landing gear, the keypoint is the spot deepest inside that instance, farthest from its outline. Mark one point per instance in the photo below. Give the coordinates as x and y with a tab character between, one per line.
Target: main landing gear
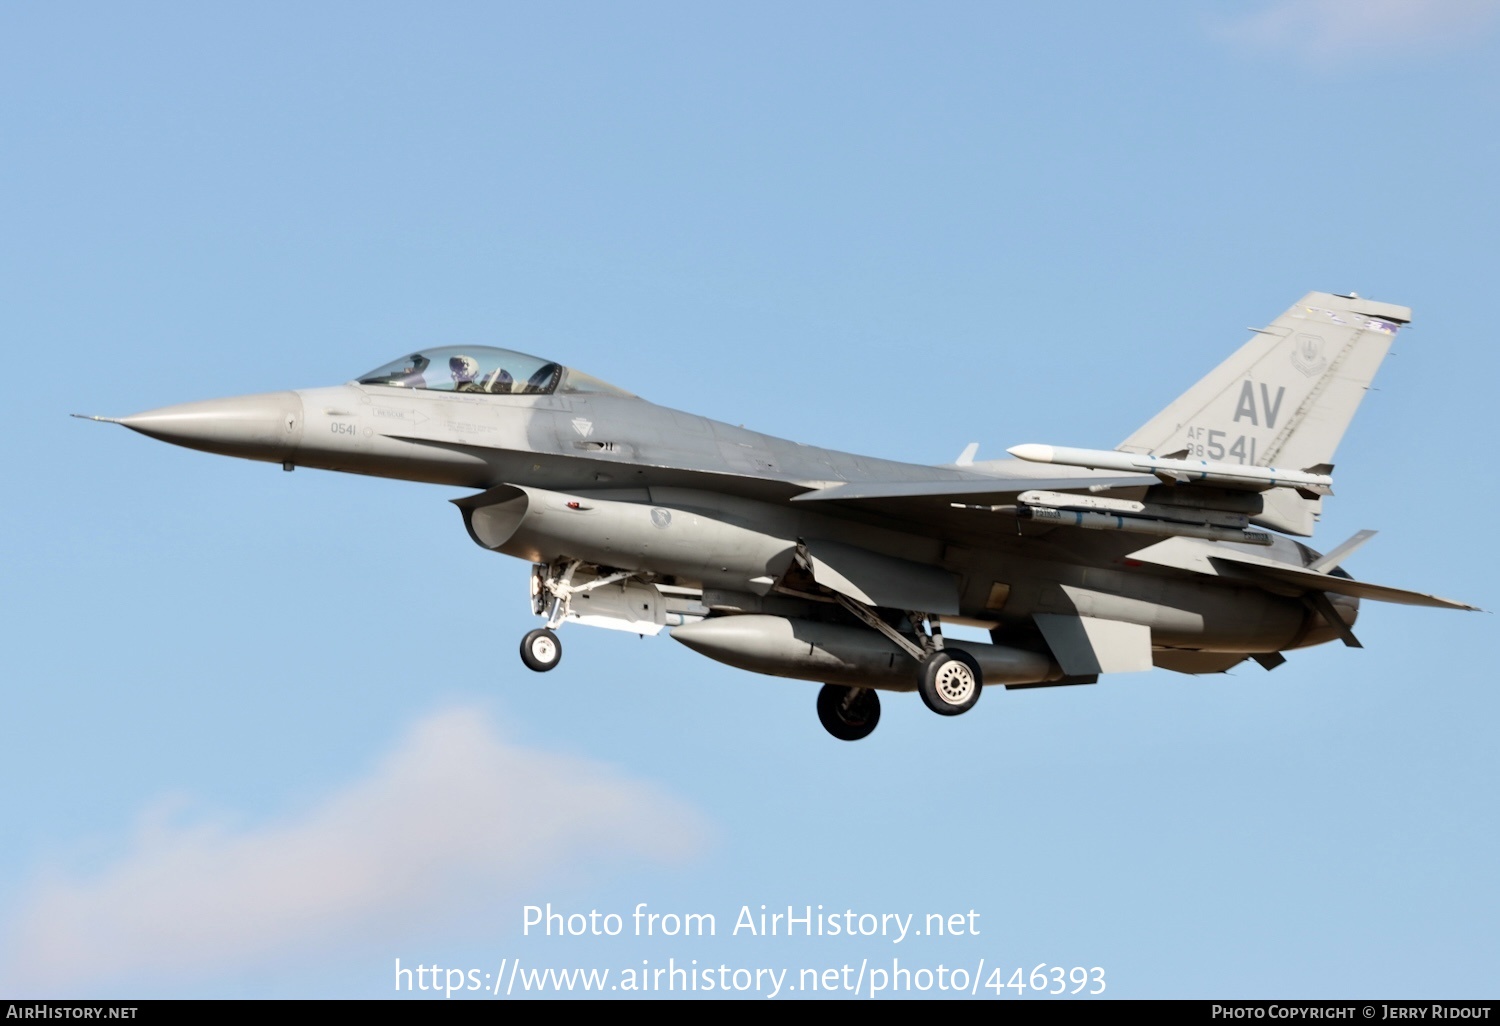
849	714
949	681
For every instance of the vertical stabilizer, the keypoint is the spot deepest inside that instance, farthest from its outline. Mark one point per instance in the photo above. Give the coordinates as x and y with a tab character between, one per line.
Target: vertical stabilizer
1284	399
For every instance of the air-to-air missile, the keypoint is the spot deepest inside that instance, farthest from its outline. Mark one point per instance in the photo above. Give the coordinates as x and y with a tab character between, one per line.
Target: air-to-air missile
1173	468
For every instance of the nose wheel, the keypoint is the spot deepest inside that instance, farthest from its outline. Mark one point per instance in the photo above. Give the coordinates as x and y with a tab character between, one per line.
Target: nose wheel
540	649
848	713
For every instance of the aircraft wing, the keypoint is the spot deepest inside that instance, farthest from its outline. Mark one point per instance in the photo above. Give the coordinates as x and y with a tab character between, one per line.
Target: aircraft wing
1188	554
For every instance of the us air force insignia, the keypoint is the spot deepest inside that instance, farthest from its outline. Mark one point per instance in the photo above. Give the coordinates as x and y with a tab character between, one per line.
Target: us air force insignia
661	517
1307	355
583	426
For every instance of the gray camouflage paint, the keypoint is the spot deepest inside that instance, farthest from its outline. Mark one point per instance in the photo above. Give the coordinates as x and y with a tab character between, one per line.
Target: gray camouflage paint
702	504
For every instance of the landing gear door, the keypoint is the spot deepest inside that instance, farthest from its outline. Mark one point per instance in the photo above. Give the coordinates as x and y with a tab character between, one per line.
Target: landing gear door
1087	645
880	580
622	606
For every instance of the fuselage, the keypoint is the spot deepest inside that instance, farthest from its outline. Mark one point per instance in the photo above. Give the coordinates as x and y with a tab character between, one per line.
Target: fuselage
611	446
1169	550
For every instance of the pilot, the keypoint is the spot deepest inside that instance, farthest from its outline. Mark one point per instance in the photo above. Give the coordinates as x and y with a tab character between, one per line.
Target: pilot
463	369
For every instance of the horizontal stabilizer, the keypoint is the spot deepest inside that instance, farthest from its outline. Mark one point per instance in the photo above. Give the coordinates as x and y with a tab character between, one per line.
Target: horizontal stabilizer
1221	561
1342	585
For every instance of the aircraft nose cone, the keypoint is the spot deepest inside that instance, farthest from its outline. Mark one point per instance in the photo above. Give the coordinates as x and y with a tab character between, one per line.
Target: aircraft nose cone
266	427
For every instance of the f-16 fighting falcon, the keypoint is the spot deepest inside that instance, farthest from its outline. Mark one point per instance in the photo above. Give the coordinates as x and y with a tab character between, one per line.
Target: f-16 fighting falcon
1172	549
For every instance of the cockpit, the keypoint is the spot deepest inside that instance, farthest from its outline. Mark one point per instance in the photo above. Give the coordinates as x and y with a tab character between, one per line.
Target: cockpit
485	370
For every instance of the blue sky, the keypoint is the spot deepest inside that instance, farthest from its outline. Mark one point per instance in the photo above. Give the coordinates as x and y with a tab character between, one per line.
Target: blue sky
267	733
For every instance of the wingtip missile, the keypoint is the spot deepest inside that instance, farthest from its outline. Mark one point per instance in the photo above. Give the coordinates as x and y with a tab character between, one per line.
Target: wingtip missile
1174	470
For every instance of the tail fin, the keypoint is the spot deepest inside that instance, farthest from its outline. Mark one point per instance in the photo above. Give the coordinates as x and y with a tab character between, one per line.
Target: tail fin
1284	399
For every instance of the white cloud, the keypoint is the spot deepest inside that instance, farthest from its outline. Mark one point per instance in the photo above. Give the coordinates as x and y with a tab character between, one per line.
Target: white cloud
453	808
1340	28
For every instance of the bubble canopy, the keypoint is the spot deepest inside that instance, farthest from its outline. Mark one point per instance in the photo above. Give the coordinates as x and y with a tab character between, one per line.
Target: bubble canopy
484	370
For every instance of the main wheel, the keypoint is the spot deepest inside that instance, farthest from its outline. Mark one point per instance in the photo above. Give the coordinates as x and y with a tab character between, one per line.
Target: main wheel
540	649
949	682
848	713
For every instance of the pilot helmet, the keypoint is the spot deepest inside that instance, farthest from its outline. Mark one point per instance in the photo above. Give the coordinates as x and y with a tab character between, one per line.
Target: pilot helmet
463	367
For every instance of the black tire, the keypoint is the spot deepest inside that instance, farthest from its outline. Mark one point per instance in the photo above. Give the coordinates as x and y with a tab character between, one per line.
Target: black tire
949	682
849	714
540	650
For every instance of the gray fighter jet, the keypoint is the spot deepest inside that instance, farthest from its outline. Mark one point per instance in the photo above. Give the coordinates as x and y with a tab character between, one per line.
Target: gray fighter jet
1169	550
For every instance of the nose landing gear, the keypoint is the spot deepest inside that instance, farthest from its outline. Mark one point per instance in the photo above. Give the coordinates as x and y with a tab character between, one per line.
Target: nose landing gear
552	592
541	650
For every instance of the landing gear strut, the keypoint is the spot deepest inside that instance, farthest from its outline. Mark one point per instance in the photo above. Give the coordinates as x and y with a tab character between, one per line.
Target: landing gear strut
848	713
948	679
552	592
